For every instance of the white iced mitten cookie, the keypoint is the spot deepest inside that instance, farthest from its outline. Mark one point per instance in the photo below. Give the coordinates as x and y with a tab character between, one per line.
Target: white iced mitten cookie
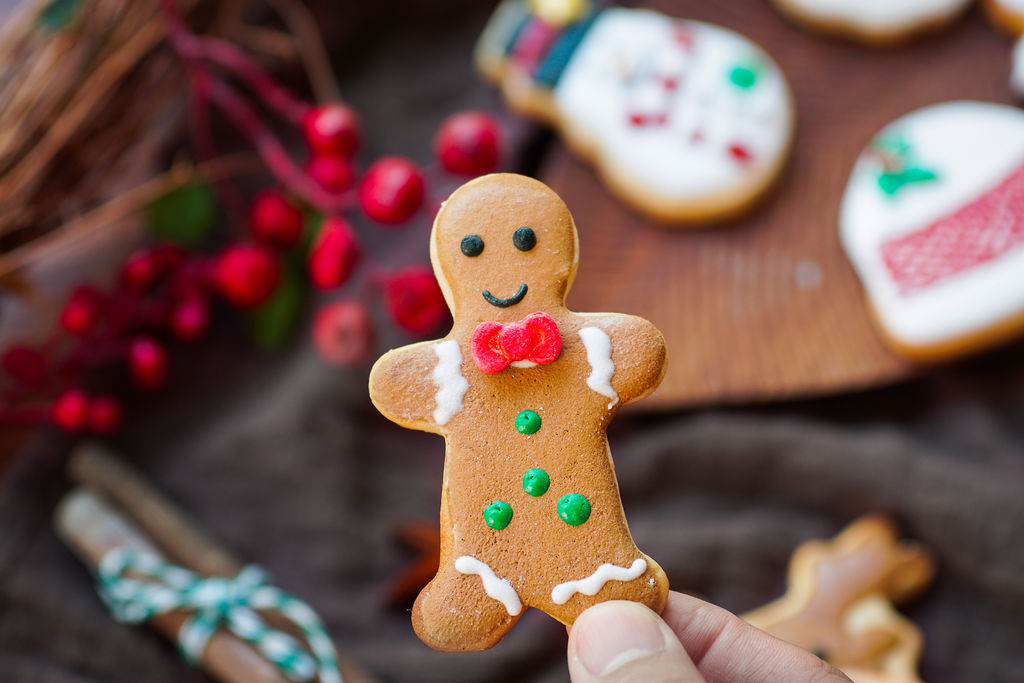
933	221
686	121
874	21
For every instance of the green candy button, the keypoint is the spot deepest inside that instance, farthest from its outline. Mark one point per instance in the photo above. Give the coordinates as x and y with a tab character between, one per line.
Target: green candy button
743	76
574	508
498	514
536	482
527	422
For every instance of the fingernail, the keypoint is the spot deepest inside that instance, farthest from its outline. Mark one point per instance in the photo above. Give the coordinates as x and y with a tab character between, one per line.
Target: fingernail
611	634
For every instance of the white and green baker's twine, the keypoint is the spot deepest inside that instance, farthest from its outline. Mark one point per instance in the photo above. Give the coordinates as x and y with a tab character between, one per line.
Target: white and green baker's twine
216	602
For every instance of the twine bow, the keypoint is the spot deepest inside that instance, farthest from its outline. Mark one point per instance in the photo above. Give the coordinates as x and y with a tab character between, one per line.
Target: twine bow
216	602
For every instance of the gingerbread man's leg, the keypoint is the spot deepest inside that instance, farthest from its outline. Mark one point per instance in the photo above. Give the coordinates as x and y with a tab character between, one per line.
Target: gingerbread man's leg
466	607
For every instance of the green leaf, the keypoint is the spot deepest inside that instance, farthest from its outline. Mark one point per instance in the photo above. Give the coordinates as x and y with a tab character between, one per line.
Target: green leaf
58	15
271	325
184	215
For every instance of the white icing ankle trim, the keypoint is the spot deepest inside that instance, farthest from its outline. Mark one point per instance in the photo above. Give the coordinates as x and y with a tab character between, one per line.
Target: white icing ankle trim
499	589
451	385
599	354
561	593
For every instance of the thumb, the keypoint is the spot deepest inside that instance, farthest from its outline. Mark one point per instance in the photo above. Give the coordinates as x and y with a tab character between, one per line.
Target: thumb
619	641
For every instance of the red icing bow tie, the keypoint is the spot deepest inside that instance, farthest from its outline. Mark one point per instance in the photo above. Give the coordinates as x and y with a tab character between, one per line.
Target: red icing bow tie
535	338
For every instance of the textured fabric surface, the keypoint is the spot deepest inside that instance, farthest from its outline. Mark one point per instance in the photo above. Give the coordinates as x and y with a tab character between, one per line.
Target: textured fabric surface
289	466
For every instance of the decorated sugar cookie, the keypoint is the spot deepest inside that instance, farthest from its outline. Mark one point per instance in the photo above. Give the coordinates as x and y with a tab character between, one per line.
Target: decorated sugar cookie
933	222
522	389
686	121
874	21
1006	14
839	602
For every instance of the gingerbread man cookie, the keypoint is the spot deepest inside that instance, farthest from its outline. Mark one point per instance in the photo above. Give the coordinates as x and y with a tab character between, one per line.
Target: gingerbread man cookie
687	121
839	602
522	389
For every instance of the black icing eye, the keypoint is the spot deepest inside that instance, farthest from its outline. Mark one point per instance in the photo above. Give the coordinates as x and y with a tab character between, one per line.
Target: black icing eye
472	245
524	238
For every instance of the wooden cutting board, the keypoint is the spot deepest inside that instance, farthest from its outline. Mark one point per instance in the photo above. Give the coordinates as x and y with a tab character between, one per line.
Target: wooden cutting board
768	307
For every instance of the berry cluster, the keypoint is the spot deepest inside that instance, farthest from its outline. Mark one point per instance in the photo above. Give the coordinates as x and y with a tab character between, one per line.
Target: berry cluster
170	292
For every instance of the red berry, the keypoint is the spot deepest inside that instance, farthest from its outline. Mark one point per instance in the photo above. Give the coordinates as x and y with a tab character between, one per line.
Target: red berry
26	365
333	255
81	311
70	410
334	174
104	414
343	332
140	271
414	300
246	274
169	256
148	362
392	190
190	318
331	129
274	220
468	143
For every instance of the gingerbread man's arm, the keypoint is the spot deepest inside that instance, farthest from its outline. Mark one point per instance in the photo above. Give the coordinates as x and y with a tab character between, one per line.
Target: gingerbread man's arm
419	386
637	353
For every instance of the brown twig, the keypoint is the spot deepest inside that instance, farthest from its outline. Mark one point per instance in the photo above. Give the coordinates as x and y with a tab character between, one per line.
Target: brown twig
310	45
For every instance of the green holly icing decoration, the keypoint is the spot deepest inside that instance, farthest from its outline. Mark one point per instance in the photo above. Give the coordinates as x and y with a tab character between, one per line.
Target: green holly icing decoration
744	76
498	514
899	168
574	508
536	482
527	422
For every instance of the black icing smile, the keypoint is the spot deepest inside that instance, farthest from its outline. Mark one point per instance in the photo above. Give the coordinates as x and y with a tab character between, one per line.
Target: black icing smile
505	303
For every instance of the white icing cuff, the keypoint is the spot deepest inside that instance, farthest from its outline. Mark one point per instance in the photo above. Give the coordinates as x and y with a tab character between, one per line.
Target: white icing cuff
499	589
599	354
451	385
561	593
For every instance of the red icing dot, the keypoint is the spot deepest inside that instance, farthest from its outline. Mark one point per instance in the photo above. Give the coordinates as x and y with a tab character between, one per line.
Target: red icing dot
637	120
740	153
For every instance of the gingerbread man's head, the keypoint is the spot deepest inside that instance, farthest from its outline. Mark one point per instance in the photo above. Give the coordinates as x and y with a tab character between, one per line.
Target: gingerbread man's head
503	246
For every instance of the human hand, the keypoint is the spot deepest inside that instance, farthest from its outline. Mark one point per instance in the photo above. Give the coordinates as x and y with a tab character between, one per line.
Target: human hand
692	642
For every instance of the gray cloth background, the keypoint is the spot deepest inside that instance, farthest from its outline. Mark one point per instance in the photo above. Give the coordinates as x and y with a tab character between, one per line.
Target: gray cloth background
288	464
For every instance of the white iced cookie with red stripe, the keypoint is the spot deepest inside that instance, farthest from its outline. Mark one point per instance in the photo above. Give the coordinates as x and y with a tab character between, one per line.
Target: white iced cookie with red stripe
933	221
688	122
874	21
